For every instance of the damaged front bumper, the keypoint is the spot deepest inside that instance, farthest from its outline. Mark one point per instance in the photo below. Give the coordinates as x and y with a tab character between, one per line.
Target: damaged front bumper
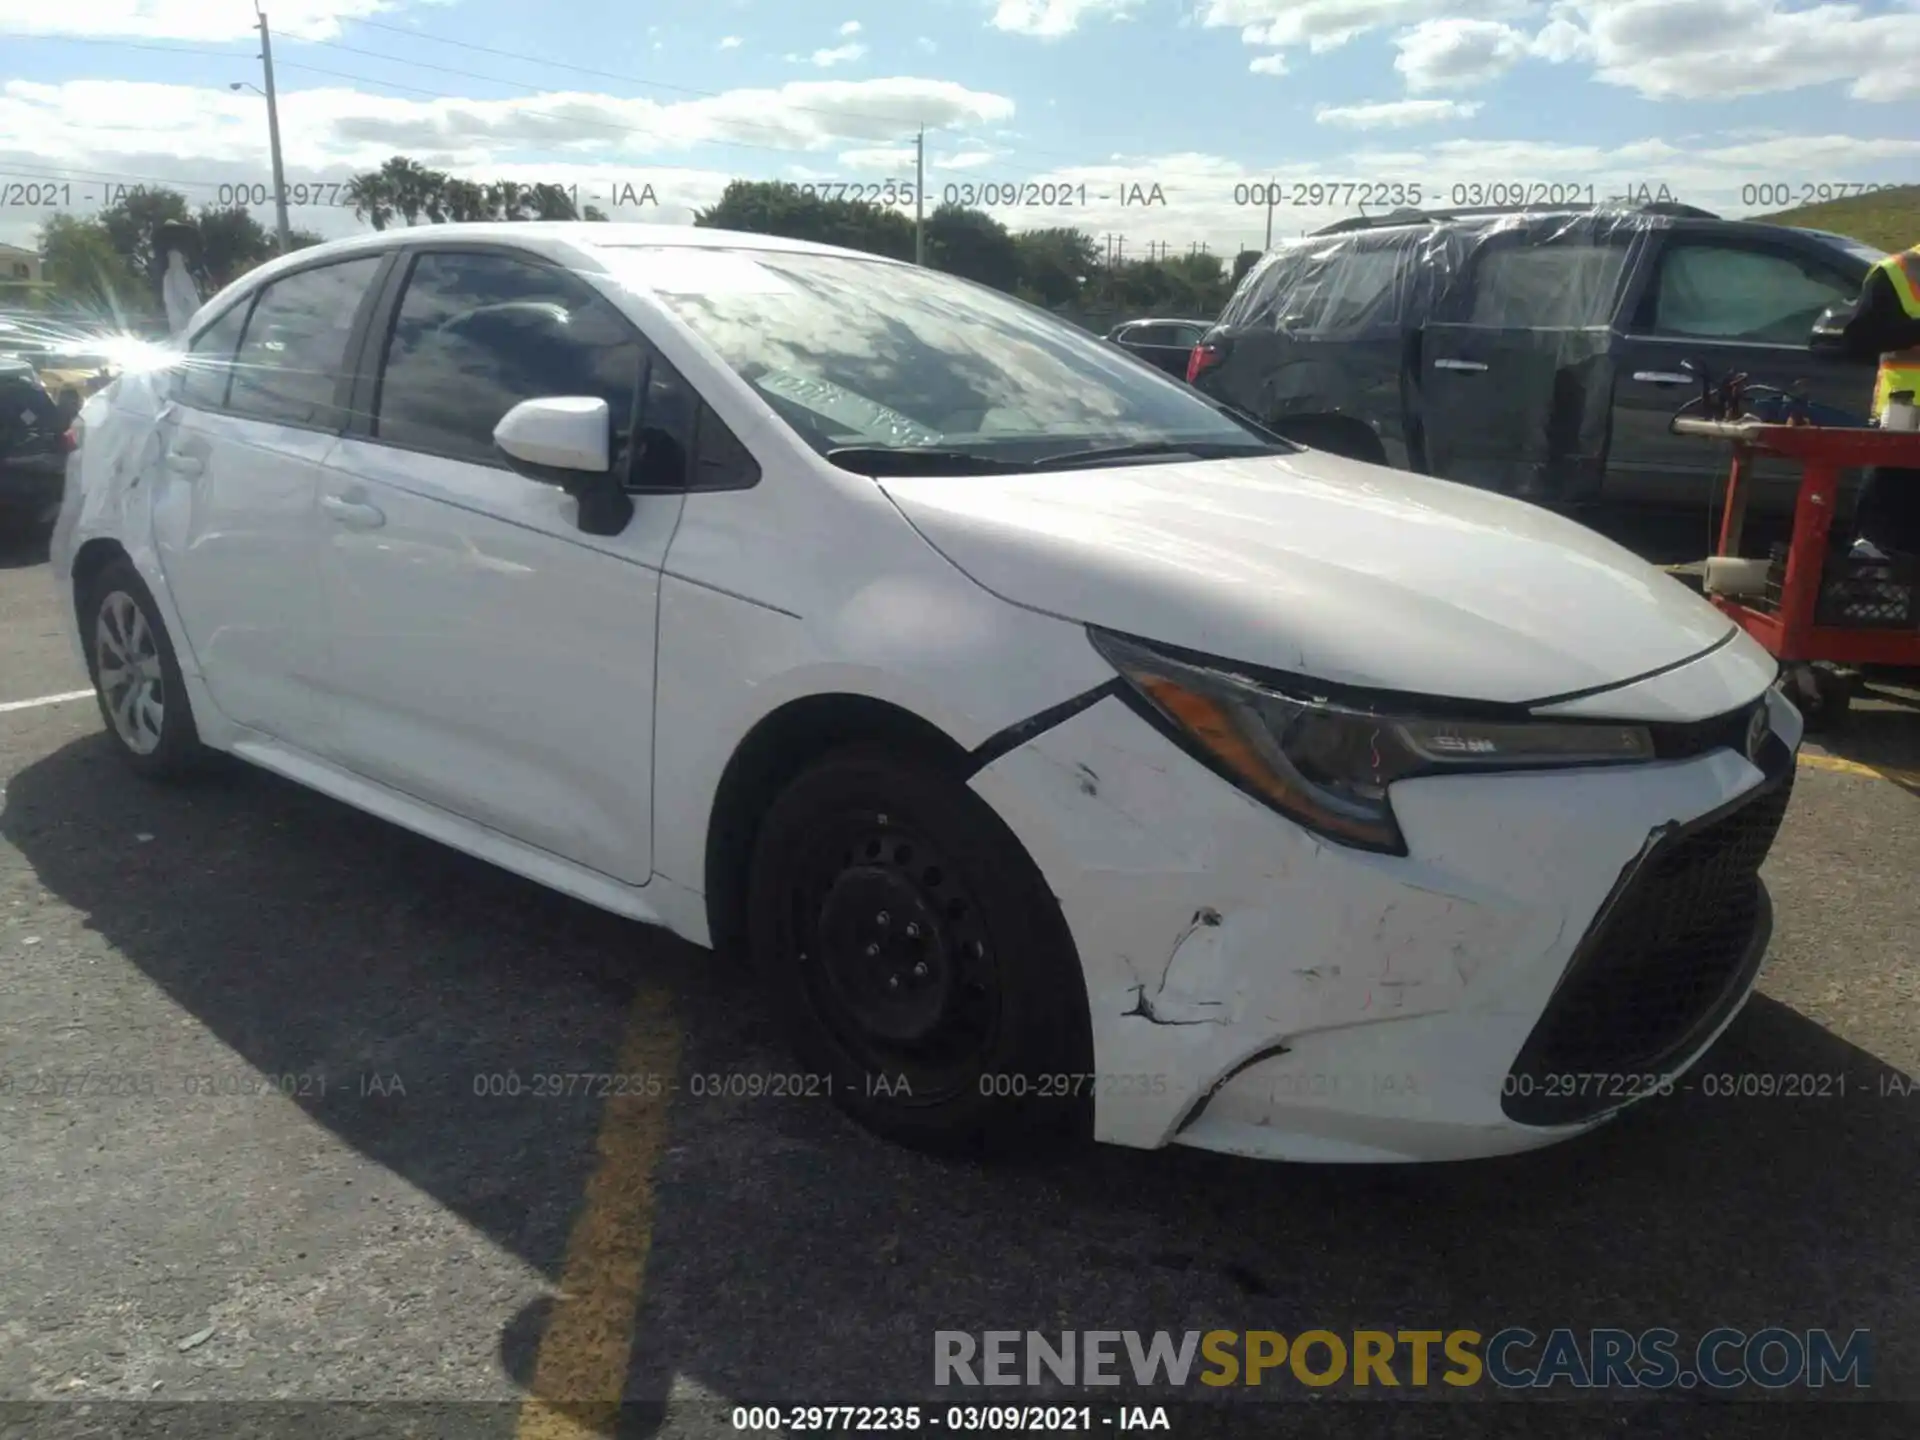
1256	990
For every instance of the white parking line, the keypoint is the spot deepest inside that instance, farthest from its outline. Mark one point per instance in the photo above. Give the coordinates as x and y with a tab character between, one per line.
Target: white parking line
46	700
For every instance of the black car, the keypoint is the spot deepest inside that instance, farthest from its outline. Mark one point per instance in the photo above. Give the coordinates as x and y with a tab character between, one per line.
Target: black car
1540	353
34	442
1164	344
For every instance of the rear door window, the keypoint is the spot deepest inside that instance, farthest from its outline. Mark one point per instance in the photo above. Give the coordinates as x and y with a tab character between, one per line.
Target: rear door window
1739	292
1354	292
1563	286
294	351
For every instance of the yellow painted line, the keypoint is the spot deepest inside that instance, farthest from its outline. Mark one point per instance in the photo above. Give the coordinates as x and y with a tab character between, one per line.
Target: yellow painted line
1854	767
580	1372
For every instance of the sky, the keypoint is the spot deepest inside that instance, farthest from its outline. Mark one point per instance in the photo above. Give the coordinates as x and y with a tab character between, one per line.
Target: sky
1165	124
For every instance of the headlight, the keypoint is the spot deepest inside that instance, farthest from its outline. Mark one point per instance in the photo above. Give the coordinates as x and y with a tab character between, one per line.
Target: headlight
1328	763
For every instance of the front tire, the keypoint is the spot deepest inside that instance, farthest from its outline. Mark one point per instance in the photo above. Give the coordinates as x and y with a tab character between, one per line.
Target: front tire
919	961
136	676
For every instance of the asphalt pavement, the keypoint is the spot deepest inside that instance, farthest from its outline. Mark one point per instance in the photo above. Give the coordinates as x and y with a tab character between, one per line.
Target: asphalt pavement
276	1157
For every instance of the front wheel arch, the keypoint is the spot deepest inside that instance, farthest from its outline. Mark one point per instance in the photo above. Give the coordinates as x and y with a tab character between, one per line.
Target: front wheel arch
778	747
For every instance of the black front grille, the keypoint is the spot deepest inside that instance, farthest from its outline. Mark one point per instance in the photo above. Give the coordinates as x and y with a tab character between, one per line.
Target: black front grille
1669	955
1684	740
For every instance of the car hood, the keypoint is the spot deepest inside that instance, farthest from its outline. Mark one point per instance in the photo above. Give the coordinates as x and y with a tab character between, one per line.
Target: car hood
1323	567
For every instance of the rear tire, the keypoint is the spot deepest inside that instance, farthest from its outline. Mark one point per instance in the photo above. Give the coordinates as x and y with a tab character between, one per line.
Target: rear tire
136	676
917	958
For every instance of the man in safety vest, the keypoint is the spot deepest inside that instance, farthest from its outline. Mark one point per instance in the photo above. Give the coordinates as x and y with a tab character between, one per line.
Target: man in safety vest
1885	320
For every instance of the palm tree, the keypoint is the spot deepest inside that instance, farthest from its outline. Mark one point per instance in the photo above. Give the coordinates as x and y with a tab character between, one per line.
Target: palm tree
508	200
467	201
550	202
372	197
415	188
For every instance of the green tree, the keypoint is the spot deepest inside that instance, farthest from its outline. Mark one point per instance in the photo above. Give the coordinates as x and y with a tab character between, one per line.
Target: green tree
466	201
1056	264
131	220
774	207
973	245
232	242
550	202
86	272
509	200
401	188
1242	263
372	199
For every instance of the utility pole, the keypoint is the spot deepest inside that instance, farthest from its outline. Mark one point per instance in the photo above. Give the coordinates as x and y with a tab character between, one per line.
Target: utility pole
920	198
1270	190
273	140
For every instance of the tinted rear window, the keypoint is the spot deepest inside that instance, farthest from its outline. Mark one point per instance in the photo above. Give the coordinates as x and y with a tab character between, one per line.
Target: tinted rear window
1549	287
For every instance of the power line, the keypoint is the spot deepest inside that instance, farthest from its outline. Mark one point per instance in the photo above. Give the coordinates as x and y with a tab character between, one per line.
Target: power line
629	79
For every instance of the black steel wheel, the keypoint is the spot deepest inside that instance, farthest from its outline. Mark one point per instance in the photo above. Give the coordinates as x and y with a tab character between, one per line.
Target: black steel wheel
919	960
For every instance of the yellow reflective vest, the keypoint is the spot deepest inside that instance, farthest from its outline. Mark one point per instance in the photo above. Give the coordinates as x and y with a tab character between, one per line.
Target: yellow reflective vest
1900	369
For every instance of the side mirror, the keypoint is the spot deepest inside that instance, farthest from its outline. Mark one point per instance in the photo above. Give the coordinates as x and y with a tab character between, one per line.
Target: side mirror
559	440
1829	335
567	441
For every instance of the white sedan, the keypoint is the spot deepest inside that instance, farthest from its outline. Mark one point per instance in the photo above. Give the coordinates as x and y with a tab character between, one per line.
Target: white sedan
1067	752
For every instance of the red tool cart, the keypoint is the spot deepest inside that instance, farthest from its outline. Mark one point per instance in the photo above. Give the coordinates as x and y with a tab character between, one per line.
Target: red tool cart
1884	626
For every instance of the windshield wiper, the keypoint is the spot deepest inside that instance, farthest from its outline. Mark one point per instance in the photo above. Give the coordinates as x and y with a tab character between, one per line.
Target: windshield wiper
1198	449
918	460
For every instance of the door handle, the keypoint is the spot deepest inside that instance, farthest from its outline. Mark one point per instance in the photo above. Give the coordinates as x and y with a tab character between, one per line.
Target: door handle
1662	377
354	514
185	465
1468	367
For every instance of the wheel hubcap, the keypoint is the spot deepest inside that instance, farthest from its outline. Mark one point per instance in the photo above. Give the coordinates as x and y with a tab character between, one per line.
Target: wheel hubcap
131	681
895	956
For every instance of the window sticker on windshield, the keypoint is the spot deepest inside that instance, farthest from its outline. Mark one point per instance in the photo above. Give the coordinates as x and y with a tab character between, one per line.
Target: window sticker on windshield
868	417
704	272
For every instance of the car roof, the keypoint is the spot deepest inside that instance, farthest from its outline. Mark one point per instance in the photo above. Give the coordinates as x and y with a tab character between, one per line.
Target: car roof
567	241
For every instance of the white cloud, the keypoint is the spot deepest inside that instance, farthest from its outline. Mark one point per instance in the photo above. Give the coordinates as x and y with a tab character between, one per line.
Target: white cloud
1323	25
827	59
852	27
1692	49
1560	40
1050	19
1452	54
121	125
1274	64
184	19
925	45
1395	114
1664	49
730	42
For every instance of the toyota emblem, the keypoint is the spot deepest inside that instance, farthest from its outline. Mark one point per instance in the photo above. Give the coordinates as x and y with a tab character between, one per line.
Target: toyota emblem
1757	728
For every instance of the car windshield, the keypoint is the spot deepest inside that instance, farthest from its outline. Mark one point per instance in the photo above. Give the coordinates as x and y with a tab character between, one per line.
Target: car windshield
864	356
